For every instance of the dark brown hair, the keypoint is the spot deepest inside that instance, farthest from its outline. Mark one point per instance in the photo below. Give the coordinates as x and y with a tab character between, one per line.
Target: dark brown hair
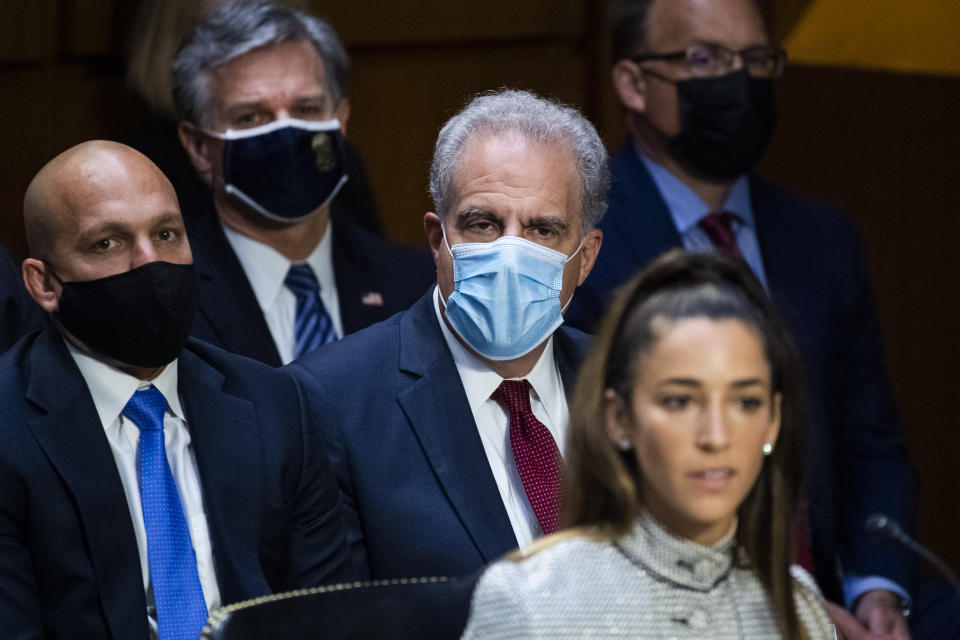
602	481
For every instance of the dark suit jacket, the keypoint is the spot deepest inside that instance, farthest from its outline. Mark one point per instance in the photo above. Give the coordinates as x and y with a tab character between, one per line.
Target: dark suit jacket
69	565
817	276
227	311
19	314
420	497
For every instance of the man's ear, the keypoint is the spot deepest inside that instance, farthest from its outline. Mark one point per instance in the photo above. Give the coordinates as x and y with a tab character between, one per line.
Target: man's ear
433	226
40	284
342	113
588	254
198	146
629	85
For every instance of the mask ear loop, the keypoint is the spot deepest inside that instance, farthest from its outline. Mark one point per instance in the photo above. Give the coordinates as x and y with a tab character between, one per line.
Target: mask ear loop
443	230
573	255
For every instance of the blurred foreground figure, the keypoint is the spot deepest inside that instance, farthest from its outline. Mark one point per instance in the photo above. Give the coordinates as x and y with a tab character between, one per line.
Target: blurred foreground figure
695	79
146	478
684	477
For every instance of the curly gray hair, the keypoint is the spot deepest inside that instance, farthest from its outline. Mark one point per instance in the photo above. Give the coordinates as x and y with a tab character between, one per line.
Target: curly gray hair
535	119
236	28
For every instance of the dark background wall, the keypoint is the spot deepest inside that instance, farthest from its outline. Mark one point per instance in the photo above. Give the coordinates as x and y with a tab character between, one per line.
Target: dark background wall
883	146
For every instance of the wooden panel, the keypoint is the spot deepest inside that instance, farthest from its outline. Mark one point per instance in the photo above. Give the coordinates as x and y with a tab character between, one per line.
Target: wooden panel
28	30
421	21
86	28
45	111
400	101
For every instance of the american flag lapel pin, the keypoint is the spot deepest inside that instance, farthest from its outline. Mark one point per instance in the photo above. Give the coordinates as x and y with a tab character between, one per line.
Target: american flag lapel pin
372	299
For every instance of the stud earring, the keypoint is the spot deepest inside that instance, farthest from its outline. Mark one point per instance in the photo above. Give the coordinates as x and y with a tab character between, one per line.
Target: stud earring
767	448
624	445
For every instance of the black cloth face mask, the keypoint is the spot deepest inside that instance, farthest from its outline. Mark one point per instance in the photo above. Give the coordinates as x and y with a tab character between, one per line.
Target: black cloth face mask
141	317
286	169
726	124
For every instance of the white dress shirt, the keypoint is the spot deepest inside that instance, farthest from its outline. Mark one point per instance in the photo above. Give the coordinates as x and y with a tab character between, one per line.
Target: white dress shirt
266	269
547	401
111	389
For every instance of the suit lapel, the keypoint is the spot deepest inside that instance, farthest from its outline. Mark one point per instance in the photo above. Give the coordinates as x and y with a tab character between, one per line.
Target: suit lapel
71	435
224	295
440	416
351	274
643	224
777	243
226	442
570	354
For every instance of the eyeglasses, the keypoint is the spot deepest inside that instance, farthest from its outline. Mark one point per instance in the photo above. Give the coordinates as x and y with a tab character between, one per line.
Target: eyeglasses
709	60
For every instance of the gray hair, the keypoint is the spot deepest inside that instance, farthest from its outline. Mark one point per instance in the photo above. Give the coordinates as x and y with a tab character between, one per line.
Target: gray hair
535	119
236	28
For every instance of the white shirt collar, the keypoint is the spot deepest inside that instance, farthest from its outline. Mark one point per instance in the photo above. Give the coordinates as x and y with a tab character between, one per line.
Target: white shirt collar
111	388
266	268
479	381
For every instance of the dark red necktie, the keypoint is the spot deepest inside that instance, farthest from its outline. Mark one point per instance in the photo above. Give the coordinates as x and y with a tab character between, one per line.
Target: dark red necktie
535	452
719	228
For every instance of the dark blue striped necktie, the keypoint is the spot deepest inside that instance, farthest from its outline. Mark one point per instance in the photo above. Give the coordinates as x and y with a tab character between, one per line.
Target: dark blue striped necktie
181	610
312	325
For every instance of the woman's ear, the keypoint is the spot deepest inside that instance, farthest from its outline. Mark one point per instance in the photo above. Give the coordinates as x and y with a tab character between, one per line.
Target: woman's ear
617	420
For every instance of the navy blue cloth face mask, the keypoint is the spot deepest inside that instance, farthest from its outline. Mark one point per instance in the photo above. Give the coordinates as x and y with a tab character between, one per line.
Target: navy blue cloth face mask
286	169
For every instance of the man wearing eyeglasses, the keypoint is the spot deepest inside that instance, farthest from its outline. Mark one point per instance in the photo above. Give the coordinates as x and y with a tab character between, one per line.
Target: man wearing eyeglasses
695	78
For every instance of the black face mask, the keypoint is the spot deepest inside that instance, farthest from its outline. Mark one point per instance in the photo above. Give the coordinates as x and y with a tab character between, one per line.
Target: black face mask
725	124
141	317
284	170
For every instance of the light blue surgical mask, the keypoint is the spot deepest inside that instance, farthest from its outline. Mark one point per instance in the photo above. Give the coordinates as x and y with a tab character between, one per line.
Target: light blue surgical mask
506	295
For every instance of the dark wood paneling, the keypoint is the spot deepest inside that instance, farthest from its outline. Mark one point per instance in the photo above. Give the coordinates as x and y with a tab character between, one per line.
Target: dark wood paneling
401	100
28	31
421	21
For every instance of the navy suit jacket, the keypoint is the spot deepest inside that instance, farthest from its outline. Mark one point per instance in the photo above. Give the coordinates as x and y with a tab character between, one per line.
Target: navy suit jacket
420	497
817	276
19	314
69	565
229	316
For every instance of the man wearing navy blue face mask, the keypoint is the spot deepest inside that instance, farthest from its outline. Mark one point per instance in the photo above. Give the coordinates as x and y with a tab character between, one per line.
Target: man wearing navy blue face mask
447	422
261	89
695	79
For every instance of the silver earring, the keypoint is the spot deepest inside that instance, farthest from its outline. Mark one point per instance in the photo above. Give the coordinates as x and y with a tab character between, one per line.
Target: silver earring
767	448
624	445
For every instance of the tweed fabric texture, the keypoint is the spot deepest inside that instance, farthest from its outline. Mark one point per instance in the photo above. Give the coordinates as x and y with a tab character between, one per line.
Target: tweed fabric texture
647	584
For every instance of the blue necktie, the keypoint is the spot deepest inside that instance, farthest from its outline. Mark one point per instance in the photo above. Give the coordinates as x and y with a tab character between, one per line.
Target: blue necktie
181	610
312	326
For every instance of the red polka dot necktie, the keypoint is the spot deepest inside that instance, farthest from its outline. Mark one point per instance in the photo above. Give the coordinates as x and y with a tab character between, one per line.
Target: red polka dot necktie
719	228
535	452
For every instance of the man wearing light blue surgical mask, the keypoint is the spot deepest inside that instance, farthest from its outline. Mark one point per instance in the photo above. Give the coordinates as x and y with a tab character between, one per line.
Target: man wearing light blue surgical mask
448	421
262	92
